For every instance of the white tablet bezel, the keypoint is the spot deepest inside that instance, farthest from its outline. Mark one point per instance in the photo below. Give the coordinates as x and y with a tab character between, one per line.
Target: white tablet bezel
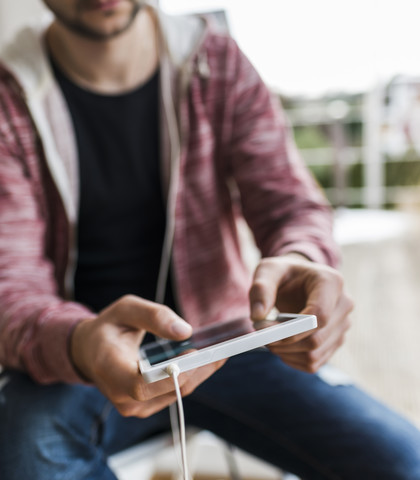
258	338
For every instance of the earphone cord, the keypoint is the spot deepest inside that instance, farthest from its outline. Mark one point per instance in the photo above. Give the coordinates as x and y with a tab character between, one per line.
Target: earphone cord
178	427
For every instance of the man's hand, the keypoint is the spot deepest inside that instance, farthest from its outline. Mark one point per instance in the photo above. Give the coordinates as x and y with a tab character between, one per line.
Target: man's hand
105	351
293	284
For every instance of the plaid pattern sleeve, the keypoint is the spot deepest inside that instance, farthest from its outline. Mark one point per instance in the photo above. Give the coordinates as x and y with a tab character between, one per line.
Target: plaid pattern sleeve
34	320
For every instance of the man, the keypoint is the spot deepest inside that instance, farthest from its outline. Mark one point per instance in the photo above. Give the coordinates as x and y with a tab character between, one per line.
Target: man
129	143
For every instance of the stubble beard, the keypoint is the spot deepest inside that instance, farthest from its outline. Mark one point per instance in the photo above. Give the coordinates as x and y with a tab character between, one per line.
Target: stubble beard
87	32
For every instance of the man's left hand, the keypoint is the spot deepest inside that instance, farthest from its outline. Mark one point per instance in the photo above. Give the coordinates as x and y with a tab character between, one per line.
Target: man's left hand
293	284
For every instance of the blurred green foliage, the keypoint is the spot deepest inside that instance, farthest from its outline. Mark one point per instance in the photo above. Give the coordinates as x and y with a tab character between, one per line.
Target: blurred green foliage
317	138
403	171
311	136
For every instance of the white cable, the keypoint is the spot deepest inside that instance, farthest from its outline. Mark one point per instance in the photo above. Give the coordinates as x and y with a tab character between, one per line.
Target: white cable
179	427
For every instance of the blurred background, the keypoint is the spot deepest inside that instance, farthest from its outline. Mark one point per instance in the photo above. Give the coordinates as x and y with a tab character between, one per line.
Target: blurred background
348	76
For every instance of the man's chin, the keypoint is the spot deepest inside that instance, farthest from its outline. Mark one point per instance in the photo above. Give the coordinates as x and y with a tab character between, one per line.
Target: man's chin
83	29
98	35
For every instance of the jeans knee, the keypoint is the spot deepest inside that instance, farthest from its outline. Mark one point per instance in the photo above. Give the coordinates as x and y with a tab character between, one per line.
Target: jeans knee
46	431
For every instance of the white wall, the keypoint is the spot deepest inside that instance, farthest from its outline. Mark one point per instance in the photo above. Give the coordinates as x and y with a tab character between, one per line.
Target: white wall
15	13
302	46
314	46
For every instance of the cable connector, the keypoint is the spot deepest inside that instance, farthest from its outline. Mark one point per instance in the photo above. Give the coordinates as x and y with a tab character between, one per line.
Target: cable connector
172	370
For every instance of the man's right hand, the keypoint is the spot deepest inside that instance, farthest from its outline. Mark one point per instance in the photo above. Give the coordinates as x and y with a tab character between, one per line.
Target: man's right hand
105	351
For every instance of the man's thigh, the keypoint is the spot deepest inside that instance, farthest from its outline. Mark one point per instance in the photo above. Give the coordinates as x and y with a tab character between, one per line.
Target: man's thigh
300	422
61	431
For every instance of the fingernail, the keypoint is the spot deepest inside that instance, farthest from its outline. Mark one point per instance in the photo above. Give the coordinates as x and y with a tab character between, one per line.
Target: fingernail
257	310
181	329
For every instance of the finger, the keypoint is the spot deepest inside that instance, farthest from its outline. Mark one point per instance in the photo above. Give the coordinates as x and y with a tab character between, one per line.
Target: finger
263	293
119	369
308	362
203	373
311	353
299	362
119	379
312	360
139	313
339	316
303	367
320	338
312	357
188	381
297	343
324	292
293	340
132	408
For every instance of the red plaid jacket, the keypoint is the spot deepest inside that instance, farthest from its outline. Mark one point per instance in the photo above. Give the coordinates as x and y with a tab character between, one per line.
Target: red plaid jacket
227	152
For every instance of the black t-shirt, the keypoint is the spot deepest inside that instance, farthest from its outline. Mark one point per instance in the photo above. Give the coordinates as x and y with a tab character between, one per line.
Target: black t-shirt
121	215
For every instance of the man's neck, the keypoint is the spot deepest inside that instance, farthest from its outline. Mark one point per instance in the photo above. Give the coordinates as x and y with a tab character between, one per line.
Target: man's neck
114	66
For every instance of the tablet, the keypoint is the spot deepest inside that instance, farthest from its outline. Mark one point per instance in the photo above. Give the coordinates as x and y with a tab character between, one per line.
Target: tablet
218	341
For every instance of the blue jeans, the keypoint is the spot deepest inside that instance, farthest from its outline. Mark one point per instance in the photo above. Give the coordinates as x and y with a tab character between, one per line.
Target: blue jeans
291	419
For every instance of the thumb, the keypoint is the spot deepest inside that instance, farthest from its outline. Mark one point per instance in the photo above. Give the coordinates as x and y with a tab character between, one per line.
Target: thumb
268	276
140	314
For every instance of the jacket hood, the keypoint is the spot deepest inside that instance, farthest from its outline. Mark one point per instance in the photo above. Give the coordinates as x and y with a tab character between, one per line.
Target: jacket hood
26	58
25	55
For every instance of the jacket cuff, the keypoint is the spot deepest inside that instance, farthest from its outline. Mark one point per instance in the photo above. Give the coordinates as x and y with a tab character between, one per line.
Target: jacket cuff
312	252
48	360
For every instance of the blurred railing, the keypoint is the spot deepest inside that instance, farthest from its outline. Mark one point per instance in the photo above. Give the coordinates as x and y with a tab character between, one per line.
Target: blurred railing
363	148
